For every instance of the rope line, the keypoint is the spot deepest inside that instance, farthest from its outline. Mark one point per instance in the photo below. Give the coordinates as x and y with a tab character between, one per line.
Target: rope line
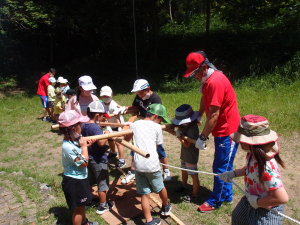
214	174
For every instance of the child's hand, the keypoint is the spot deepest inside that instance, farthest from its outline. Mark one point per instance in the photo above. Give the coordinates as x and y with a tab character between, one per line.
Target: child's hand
179	132
120	110
108	128
253	201
90	142
227	176
128	123
82	142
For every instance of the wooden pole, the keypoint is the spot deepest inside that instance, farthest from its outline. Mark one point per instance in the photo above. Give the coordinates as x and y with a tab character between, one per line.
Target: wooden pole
110	135
132	147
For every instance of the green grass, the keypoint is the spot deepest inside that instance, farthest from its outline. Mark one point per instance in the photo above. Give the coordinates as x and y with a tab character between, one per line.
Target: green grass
27	142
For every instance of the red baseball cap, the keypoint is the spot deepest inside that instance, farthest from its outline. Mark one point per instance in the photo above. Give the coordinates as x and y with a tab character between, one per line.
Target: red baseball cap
193	62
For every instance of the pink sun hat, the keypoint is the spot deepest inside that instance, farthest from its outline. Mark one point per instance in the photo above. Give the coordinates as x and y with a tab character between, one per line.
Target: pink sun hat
71	117
255	130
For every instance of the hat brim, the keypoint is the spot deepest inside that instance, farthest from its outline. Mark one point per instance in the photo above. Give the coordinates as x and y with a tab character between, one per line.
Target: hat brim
88	87
259	140
186	120
166	120
84	119
105	94
191	73
106	115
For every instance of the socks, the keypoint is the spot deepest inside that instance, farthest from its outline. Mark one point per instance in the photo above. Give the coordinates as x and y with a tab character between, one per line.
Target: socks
166	171
122	160
103	204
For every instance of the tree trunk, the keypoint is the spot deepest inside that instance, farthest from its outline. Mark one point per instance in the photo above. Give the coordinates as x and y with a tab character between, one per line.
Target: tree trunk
155	28
170	11
51	52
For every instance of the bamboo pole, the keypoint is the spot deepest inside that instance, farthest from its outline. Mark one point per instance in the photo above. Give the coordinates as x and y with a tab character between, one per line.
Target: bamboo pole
132	147
110	135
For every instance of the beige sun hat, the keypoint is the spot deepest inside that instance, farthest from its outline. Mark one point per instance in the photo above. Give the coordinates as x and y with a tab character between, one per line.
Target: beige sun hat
255	130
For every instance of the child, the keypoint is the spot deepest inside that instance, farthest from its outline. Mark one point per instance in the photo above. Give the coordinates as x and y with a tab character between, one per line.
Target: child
97	168
143	99
60	82
186	119
147	135
51	97
66	88
69	94
74	159
106	95
84	95
60	103
263	184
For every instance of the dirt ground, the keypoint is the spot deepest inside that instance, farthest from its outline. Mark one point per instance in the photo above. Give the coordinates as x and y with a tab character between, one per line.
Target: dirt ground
44	155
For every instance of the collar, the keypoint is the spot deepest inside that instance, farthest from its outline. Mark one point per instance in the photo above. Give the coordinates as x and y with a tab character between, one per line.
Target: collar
208	74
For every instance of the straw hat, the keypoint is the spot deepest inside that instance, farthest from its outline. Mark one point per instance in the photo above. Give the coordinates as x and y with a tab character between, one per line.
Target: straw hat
255	130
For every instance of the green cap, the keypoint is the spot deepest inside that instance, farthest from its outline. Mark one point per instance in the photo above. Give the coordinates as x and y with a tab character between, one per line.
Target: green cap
160	110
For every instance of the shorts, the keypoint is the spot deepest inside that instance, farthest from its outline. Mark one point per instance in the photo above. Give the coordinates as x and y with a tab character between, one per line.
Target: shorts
45	101
160	151
146	181
190	167
77	192
98	174
51	104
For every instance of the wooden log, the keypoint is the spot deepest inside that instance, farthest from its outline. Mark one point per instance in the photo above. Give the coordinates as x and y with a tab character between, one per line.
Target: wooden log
176	220
132	147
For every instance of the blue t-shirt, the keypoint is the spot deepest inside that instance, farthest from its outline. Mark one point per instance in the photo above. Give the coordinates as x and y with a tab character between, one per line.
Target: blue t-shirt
96	152
72	168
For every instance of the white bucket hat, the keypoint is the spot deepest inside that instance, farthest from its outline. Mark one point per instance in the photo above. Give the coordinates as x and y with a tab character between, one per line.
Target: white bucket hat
184	114
140	84
106	91
52	80
60	79
86	83
255	130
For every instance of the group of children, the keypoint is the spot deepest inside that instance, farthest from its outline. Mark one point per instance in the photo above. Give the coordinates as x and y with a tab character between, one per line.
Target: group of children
84	167
59	93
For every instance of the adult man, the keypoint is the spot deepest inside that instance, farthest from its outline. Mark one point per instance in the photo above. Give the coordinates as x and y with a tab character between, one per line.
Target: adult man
42	91
218	101
143	99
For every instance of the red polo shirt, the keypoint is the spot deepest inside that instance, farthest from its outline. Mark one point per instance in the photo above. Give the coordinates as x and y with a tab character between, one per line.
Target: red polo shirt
217	91
43	84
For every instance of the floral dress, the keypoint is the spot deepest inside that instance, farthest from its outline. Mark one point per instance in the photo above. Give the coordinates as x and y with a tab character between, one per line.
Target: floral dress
271	178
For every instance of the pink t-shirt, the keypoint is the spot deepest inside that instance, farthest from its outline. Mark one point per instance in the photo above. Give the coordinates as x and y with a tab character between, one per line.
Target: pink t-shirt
84	102
217	91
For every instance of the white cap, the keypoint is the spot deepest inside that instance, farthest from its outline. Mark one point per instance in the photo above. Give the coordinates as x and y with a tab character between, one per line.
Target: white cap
105	91
64	81
139	85
60	79
86	83
98	107
52	80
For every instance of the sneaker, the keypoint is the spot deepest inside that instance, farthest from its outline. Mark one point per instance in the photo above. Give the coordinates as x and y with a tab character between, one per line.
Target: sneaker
165	209
128	178
167	175
49	119
190	198
155	221
112	155
205	207
91	223
107	207
120	164
180	188
54	122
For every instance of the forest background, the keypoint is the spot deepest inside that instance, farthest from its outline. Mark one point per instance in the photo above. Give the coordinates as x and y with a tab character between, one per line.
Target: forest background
249	41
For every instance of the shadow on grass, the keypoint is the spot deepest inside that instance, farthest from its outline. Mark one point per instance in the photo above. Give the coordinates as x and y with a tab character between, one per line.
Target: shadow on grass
62	214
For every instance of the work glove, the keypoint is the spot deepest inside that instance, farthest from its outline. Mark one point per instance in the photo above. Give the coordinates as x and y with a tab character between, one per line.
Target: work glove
119	128
253	201
227	176
199	119
119	110
108	128
179	132
201	144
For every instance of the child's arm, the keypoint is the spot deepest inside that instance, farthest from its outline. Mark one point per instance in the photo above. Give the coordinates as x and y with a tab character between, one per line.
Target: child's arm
277	197
102	142
182	141
83	144
60	108
228	175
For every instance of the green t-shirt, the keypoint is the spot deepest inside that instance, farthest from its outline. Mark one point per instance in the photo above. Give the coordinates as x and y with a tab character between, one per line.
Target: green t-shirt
191	154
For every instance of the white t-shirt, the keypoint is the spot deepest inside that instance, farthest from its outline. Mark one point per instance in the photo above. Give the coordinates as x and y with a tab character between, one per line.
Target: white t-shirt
83	103
146	136
110	108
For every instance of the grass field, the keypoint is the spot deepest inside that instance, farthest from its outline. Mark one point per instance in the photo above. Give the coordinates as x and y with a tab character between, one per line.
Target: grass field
28	145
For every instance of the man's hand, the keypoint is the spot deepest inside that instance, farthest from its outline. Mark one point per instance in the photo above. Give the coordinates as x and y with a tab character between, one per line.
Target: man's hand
200	144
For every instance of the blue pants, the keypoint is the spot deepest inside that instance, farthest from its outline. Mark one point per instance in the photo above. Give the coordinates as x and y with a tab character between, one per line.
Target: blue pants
225	150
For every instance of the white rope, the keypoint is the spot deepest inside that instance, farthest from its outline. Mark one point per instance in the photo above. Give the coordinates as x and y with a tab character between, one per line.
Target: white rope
214	174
